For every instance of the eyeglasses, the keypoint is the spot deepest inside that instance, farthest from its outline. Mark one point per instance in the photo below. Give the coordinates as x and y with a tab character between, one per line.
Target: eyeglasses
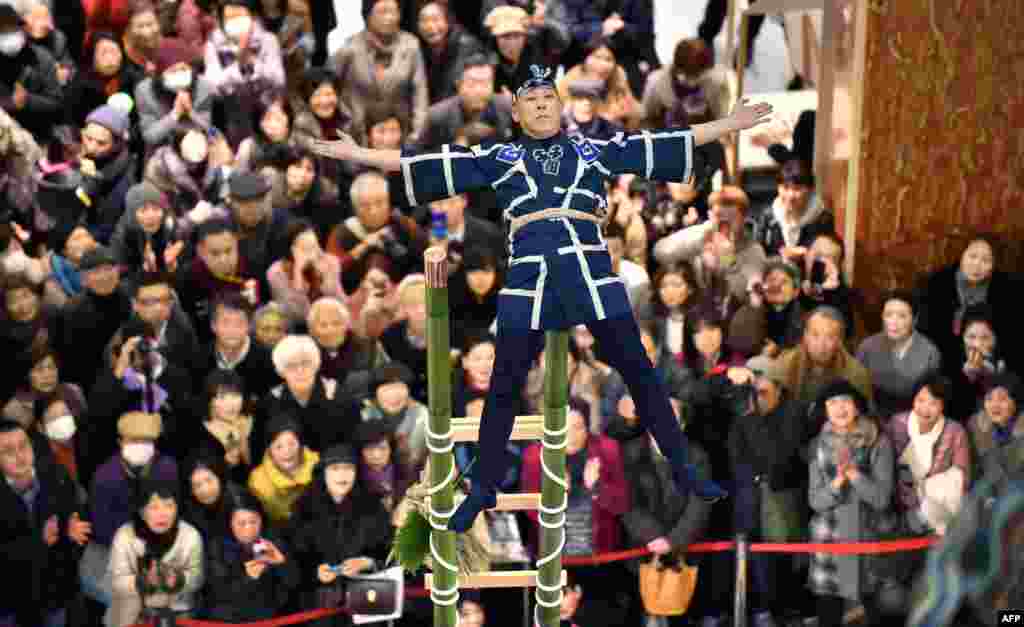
305	364
152	302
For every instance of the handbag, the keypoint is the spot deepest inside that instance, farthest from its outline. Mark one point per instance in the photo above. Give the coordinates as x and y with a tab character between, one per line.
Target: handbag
667	590
370	596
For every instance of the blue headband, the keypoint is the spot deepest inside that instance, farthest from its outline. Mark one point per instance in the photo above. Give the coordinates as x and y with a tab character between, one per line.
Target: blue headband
540	78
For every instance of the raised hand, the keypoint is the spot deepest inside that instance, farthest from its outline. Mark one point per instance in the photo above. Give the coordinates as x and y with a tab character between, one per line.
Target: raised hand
746	115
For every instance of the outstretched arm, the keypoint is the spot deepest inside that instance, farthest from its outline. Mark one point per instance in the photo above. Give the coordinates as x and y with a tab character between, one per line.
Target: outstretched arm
346	149
743	116
668	154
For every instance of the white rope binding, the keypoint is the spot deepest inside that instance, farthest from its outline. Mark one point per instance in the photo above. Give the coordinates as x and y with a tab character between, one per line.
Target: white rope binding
444	597
559	440
445	448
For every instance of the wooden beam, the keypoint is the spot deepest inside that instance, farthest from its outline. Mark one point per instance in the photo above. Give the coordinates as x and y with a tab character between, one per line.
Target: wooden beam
525	428
826	84
852	215
765	7
496	579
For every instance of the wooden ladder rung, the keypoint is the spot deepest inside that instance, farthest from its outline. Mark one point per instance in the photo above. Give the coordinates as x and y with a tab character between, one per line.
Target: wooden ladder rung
523	501
496	579
519	502
525	428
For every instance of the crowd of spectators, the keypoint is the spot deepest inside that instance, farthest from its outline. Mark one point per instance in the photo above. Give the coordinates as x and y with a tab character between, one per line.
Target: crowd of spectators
216	388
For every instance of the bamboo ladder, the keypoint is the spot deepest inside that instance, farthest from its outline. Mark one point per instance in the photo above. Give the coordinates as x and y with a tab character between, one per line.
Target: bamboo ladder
442	433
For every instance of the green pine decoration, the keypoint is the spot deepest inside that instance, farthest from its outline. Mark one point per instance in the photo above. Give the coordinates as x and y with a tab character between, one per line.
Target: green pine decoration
411	544
410	547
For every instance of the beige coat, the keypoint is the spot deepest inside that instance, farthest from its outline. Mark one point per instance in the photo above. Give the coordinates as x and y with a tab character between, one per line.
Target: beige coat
185	557
402	83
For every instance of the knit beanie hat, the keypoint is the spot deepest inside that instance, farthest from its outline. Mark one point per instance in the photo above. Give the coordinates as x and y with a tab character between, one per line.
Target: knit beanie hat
144	193
137	425
393	372
842	387
338	454
370	431
786	267
281	423
171	52
112	119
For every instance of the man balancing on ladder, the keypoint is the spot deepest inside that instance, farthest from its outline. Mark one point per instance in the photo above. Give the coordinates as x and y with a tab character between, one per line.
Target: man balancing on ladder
551	186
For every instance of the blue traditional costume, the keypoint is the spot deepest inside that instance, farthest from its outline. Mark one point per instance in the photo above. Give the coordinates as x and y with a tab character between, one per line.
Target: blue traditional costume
560	273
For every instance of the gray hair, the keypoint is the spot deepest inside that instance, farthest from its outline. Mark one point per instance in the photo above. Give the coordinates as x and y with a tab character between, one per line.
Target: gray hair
830	312
273	307
292	346
363	185
328	302
24	7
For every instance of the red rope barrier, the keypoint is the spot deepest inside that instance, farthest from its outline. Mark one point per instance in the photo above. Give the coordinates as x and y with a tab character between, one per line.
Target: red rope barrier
836	548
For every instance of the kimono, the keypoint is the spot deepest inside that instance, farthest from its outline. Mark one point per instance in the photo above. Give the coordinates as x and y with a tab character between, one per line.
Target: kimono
560	273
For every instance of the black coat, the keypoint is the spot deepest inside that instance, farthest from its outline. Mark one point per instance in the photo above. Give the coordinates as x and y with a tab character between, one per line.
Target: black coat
109	400
230	595
658	508
325	421
324	533
768	449
470	316
36	70
937	305
256	369
398	348
39	578
83	331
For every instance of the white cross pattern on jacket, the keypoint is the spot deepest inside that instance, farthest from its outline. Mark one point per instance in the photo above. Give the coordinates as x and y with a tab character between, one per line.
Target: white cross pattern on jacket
550	159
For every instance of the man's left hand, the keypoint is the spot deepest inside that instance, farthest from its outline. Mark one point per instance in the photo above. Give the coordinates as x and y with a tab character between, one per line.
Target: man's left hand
746	115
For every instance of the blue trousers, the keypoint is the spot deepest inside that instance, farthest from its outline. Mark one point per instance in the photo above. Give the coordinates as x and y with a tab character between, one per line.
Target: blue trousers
517	350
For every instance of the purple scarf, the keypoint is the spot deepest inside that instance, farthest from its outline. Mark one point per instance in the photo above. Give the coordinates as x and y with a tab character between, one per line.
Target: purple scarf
133	383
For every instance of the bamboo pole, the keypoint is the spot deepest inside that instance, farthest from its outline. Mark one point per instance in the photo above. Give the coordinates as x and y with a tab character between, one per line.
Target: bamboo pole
444	592
554	497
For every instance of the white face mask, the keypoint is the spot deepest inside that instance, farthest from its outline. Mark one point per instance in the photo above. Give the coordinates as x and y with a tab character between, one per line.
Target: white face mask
237	26
12	43
178	81
138	453
194	149
61	428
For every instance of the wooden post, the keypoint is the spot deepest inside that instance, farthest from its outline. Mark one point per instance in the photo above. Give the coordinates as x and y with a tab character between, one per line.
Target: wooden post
741	69
554	494
444	592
